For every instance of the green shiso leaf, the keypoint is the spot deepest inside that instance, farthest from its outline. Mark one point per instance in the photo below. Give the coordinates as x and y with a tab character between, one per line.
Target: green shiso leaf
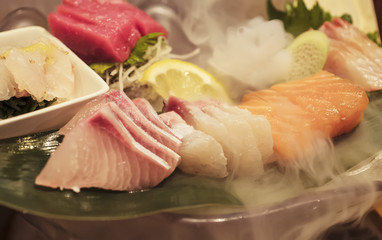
101	68
298	19
374	36
139	51
137	55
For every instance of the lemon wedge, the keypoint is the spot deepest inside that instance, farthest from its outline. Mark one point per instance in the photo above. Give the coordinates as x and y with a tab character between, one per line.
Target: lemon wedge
184	80
309	52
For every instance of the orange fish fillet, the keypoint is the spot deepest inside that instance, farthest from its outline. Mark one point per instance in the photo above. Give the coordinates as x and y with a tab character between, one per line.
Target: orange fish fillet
322	105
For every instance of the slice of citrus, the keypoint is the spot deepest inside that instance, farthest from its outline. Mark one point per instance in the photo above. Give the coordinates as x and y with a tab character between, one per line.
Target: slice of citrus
309	52
184	80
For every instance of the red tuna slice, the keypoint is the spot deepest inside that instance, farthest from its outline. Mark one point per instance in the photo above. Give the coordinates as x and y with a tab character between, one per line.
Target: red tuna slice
92	44
103	155
129	108
116	9
145	139
352	55
101	31
145	107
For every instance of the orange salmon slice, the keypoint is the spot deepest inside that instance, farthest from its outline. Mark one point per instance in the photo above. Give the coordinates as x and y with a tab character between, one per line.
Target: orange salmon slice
323	105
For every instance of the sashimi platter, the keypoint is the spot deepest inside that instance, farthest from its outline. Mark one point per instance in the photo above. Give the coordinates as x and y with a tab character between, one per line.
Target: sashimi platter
113	111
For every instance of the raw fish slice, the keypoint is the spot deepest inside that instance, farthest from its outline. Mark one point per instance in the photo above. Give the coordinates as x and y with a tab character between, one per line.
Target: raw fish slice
129	108
248	159
7	85
201	154
103	154
260	127
145	139
352	55
145	107
41	70
114	48
334	112
102	11
290	124
226	134
27	69
92	107
301	112
106	31
259	124
58	73
201	121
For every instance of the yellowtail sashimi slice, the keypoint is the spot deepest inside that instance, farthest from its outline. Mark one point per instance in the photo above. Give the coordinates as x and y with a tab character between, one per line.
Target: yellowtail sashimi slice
131	110
144	138
104	155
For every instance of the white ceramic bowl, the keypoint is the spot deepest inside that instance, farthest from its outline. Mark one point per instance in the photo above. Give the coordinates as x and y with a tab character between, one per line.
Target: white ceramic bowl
88	85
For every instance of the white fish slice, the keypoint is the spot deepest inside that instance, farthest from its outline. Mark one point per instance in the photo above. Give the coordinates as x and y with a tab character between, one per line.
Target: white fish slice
247	159
7	84
260	126
228	132
201	154
27	69
352	55
59	74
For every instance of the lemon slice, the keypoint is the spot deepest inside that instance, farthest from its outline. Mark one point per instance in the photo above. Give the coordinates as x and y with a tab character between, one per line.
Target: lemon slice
309	52
184	80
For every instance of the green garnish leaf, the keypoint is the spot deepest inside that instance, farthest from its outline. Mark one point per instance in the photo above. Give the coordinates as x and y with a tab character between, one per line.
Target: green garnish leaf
274	13
137	55
374	36
17	106
298	19
101	68
139	51
319	16
347	17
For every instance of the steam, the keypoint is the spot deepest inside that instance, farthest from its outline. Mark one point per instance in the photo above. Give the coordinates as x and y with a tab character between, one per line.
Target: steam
334	184
255	47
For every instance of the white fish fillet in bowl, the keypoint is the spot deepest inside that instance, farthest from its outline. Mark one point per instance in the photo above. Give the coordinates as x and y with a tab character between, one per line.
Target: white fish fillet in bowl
87	85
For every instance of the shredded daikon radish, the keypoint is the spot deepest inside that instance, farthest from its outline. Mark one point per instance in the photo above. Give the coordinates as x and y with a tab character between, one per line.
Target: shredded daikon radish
126	76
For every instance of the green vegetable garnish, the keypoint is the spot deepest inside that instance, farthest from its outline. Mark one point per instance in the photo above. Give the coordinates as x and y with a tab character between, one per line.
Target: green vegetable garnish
137	55
298	19
139	51
374	36
17	106
101	68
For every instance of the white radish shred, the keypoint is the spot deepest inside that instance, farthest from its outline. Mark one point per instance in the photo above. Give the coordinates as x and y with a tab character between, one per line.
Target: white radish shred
129	75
